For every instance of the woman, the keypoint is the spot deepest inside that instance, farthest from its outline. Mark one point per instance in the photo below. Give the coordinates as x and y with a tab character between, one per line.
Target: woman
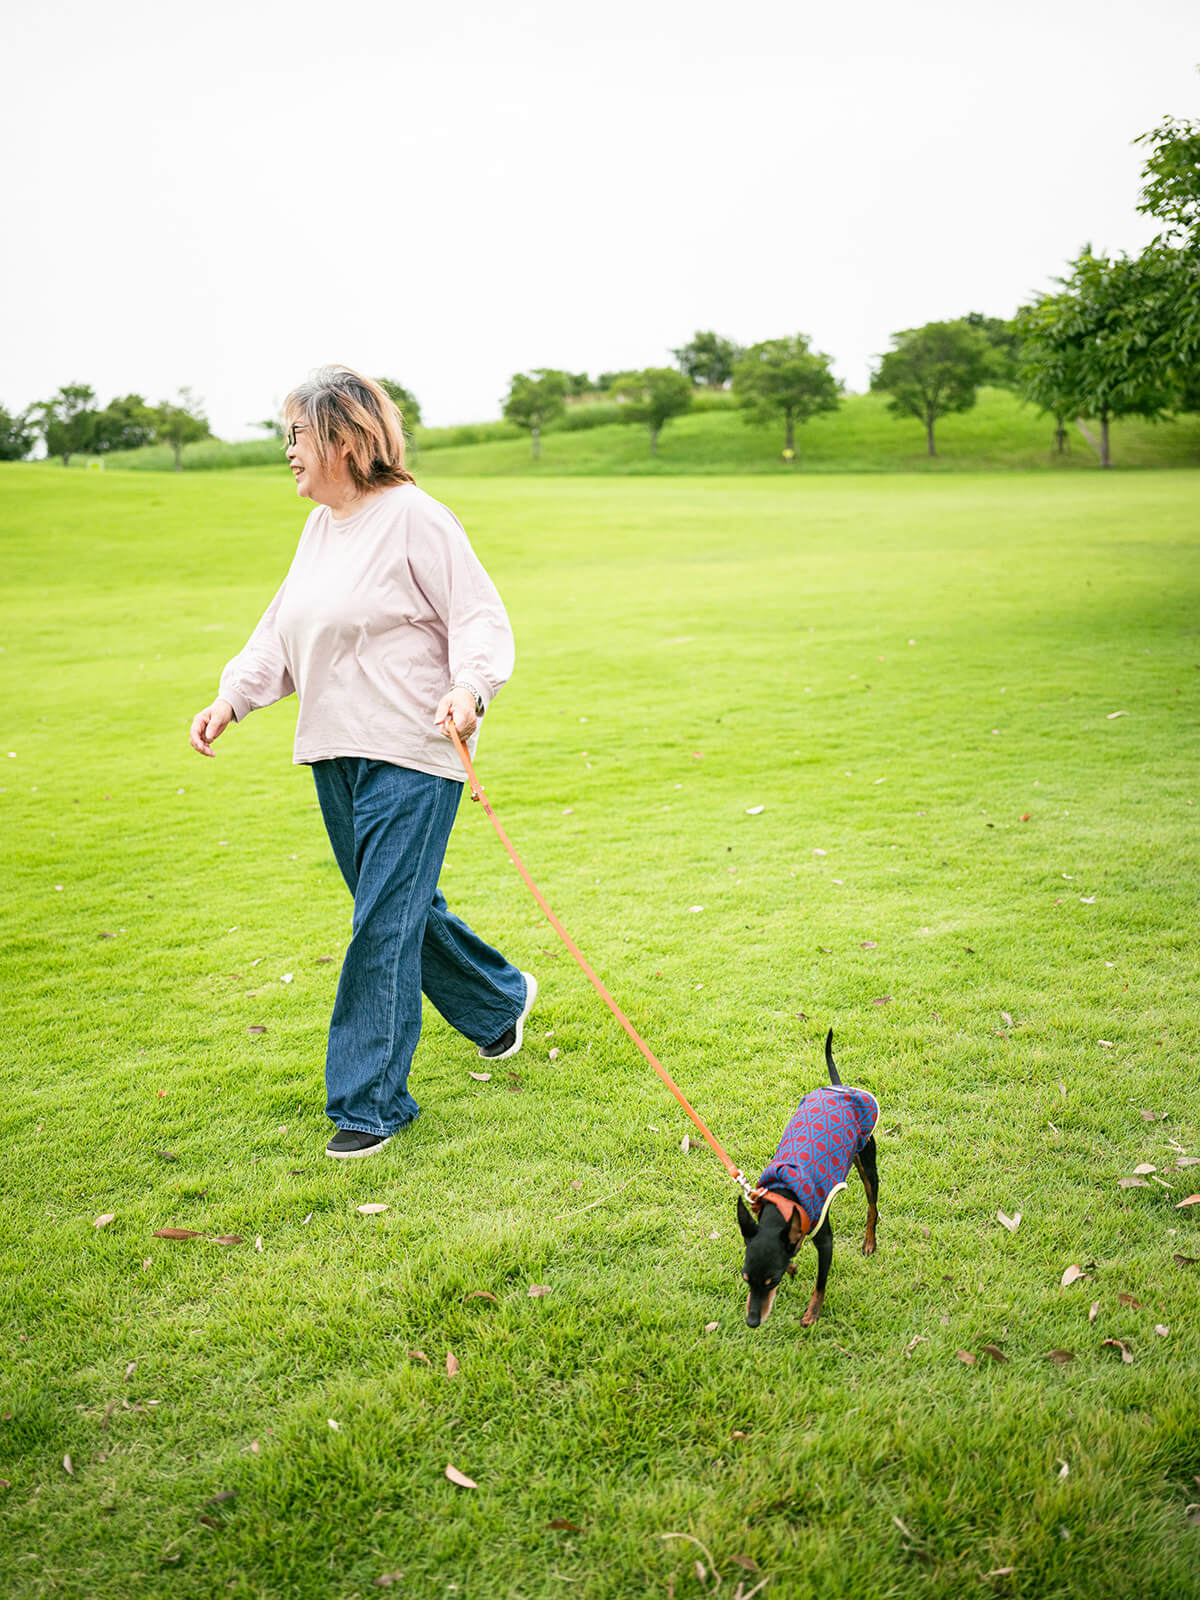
386	627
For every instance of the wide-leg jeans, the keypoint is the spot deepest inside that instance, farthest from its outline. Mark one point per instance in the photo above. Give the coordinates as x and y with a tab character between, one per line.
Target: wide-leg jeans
389	827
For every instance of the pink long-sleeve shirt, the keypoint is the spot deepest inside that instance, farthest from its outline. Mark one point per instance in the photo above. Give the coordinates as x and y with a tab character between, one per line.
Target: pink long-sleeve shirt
378	616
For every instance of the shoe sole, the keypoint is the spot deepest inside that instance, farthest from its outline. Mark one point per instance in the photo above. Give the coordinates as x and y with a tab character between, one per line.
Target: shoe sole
356	1155
531	989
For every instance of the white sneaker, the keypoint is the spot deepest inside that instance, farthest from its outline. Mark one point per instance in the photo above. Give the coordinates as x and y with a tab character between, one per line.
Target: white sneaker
509	1041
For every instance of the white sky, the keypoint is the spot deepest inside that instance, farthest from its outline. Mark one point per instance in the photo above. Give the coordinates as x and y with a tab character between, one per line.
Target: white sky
227	193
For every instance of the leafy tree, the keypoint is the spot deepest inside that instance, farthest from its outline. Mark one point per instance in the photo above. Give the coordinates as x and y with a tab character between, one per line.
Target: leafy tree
1005	343
410	408
708	359
534	399
67	420
1171	193
17	435
180	423
126	423
653	396
1171	180
1104	347
784	377
934	371
271	426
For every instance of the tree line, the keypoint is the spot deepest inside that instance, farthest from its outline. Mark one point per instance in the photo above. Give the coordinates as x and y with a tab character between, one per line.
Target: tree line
1120	336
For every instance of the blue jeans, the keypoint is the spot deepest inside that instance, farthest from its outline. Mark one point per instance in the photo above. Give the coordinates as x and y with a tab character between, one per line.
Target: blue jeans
389	827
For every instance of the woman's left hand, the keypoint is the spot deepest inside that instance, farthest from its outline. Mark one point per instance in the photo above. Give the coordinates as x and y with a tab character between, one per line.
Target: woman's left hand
459	705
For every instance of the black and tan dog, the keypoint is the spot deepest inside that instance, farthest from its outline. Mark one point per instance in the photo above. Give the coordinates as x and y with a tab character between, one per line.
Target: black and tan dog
831	1130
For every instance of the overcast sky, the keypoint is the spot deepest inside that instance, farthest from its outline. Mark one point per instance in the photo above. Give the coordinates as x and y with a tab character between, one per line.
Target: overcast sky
226	194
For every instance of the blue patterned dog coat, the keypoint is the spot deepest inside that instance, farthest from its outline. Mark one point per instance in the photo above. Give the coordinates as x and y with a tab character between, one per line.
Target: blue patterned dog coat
829	1128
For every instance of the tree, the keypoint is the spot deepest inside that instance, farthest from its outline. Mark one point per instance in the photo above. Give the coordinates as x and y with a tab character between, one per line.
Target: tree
1105	346
1171	193
708	359
17	435
126	423
271	426
534	399
410	408
67	420
1171	180
784	377
933	371
653	396
181	423
1004	342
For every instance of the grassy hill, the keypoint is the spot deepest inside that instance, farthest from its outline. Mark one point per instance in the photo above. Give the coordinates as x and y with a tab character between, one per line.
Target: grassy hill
1000	433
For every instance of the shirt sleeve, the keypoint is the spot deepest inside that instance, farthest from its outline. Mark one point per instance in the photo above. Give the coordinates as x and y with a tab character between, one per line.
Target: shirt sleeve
452	578
259	675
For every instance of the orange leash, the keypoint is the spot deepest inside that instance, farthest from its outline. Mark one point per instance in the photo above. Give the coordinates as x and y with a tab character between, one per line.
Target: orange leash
478	794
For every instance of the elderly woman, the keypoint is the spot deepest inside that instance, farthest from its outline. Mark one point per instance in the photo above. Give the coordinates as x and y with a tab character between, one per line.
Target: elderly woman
385	628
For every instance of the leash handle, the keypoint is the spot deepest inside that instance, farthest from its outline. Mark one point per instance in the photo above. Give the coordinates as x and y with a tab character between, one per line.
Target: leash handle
477	793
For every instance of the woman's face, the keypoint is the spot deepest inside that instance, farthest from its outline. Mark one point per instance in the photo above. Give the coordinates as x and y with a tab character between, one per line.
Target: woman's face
325	482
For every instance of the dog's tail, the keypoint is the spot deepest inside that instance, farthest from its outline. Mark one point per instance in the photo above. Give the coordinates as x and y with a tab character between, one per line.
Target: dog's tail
833	1071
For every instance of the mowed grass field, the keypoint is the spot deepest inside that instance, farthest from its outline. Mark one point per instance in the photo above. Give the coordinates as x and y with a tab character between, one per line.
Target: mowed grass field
915	758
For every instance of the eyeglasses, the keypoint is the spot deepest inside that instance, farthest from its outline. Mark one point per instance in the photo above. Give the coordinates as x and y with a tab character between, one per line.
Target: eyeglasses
290	435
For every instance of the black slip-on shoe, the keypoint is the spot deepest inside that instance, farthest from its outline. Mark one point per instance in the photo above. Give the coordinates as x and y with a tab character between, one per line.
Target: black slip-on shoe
348	1142
509	1041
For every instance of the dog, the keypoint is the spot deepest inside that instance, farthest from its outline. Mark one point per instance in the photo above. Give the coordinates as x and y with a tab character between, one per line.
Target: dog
831	1129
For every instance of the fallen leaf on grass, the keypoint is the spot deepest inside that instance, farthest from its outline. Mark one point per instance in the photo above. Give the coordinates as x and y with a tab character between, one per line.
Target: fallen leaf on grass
554	1052
1161	1329
1094	1312
1192	1200
67	1467
1064	1469
1006	1019
371	1209
419	1355
1187	1261
965	1356
1112	715
1071	1275
258	1244
747	1563
711	1327
881	1000
1144	1169
994	1351
1059	1357
256	1027
1132	1183
385	1580
176	1233
460	1478
1119	1344
912	1344
130	1370
227	1238
220	1499
1011	1223
1188	1161
869	944
451	1365
480	1077
561	1525
536	1290
104	1220
685	1144
1128	1300
336	1426
481	1294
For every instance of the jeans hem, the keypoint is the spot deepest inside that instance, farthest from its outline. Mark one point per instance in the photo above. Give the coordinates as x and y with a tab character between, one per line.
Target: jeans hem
376	1133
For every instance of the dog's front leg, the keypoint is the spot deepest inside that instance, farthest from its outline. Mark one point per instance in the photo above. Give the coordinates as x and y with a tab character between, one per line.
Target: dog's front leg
823	1244
868	1171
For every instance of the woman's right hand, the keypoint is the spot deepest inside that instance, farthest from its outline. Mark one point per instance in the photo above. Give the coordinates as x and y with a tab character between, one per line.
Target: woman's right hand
210	724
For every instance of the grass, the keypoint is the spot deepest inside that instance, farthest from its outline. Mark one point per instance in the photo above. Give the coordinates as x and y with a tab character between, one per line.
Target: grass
899	671
714	439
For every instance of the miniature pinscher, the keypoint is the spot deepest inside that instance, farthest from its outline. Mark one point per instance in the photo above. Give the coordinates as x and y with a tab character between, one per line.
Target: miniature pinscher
831	1129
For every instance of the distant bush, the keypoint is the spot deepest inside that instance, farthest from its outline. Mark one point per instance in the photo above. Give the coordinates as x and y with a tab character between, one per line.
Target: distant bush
465	433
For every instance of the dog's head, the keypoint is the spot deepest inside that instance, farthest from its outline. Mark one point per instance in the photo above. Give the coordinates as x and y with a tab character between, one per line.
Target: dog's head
771	1242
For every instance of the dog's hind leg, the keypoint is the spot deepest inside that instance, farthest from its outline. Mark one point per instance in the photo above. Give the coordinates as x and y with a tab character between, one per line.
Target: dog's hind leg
823	1243
868	1171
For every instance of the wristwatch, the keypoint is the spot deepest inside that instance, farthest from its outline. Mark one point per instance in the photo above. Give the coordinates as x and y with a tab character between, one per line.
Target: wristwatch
474	693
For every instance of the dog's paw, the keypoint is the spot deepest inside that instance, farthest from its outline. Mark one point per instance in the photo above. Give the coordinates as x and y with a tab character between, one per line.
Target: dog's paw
869	1247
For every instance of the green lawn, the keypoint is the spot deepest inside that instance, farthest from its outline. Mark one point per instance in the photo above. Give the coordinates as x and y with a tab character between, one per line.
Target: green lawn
966	706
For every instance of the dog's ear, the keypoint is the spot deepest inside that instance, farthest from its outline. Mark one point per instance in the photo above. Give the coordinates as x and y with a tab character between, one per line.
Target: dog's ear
795	1230
745	1221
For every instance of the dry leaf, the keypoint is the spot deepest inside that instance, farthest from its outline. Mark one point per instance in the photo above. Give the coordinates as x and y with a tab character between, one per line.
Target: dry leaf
685	1144
1059	1357
371	1209
1000	1572
482	1294
711	1327
912	1344
336	1426
536	1290
1094	1312
1187	1261
869	944
747	1563
1128	1300
258	1244
1112	715
256	1027
220	1499
176	1233
561	1525
1006	1019
1161	1330
480	1077
227	1238
386	1579
1064	1469
1071	1275
1144	1169
554	1053
1119	1344
1132	1183
738	1434
1188	1161
130	1370
104	1220
451	1365
965	1356
67	1467
881	1000
419	1355
1192	1200
994	1351
460	1478
1011	1223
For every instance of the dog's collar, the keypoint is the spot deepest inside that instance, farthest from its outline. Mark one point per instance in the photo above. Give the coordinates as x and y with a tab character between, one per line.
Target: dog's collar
790	1208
